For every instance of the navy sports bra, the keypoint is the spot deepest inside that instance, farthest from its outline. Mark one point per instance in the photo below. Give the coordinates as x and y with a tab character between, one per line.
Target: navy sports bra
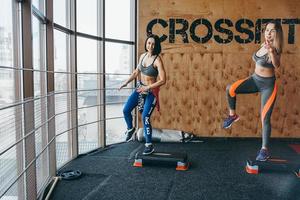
149	70
262	60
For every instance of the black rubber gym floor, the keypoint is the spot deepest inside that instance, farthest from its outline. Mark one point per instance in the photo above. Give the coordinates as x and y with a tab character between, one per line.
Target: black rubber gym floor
217	172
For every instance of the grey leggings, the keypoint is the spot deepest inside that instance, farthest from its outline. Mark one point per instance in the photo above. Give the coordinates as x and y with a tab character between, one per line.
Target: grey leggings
268	89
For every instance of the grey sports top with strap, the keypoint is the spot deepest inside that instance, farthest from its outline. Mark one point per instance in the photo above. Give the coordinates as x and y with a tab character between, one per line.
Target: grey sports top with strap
149	70
262	60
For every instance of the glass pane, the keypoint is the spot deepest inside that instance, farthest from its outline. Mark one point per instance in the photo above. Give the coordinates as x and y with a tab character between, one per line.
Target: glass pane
7	86
117	19
118	58
62	149
87	134
88	145
38	45
115	100
42	171
14	192
114	110
37	54
88	100
113	94
61	61
6	34
115	129
61	125
87	55
10	126
88	112
9	172
6	54
62	101
40	5
40	104
10	118
87	13
61	12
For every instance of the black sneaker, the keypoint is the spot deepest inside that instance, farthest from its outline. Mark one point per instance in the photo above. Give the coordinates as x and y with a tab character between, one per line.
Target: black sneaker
148	150
129	134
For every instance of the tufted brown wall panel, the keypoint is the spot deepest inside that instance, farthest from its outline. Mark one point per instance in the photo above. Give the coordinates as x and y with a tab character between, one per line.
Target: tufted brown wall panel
193	98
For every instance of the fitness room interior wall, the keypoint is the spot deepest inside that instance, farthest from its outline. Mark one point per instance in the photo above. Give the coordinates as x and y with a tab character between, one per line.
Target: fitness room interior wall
207	46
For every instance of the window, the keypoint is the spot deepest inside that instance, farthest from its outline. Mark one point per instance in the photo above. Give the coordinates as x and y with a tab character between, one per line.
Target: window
88	69
119	19
62	96
40	5
87	17
119	63
88	94
40	102
6	54
11	123
61	12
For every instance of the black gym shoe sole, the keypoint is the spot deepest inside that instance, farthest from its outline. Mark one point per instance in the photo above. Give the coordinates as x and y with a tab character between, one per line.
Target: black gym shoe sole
130	139
263	160
148	153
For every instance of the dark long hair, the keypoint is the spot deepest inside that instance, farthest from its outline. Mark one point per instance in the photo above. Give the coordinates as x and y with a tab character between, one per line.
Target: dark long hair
157	46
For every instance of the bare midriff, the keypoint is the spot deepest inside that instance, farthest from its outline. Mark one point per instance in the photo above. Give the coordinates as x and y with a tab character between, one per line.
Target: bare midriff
264	72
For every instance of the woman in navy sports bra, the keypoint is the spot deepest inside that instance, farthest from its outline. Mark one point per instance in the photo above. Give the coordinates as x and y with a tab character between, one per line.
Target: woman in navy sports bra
267	60
152	75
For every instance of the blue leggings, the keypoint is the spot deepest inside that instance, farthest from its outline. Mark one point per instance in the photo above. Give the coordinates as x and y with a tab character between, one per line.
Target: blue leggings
149	104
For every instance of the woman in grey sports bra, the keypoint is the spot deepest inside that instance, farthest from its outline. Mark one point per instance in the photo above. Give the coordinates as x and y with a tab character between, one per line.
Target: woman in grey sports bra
267	60
151	75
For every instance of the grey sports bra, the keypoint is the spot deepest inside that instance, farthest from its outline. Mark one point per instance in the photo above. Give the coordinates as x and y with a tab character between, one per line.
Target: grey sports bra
262	60
149	70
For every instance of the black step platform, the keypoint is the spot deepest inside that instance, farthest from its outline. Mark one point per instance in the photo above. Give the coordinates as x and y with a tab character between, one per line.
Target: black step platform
254	167
160	158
